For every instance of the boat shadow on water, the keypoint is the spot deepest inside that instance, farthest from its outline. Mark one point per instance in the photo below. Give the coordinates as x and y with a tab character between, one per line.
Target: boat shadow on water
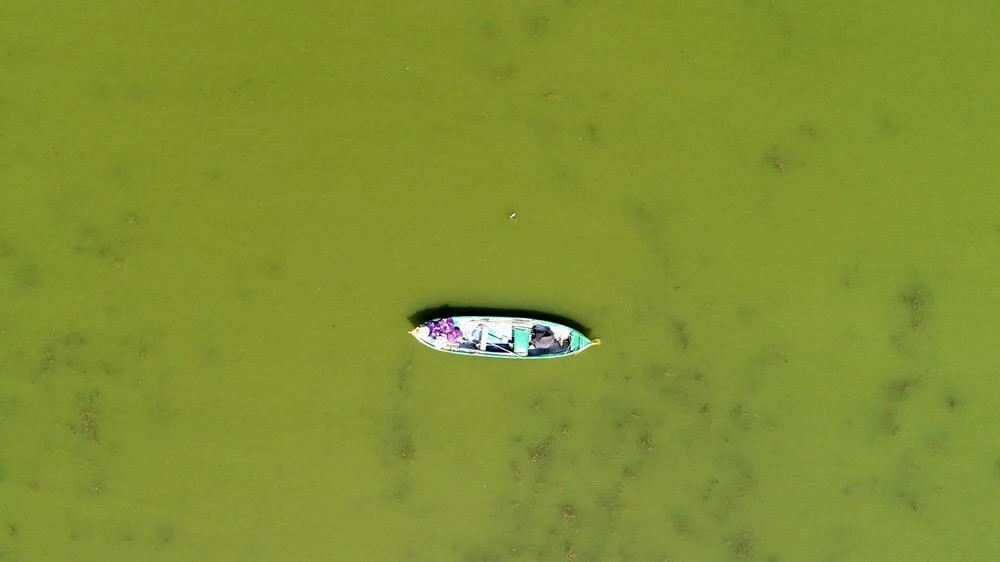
446	311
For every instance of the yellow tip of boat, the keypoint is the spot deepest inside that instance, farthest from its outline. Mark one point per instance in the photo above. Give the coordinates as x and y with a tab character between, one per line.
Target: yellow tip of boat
595	341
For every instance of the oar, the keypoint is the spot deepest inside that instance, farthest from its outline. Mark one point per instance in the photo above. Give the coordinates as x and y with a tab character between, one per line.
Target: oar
503	349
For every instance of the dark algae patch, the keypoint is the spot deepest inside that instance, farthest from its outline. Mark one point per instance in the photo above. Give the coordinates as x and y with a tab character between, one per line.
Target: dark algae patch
164	534
405	449
741	547
682	335
568	513
899	389
575	489
88	423
916	299
398	446
952	403
646	442
541	452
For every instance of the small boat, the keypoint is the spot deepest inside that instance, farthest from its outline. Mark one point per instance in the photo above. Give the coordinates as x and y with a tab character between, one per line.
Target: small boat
504	337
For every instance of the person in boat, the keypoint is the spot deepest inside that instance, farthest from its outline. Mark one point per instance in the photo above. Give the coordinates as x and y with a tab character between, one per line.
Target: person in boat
544	340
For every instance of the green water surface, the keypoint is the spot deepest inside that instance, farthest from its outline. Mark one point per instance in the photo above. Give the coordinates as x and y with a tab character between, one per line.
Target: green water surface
780	217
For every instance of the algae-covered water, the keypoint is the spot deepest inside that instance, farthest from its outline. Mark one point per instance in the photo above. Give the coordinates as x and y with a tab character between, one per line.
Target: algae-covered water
781	218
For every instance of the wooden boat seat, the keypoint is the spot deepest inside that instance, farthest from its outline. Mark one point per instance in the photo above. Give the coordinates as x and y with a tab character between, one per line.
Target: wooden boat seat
522	338
484	337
